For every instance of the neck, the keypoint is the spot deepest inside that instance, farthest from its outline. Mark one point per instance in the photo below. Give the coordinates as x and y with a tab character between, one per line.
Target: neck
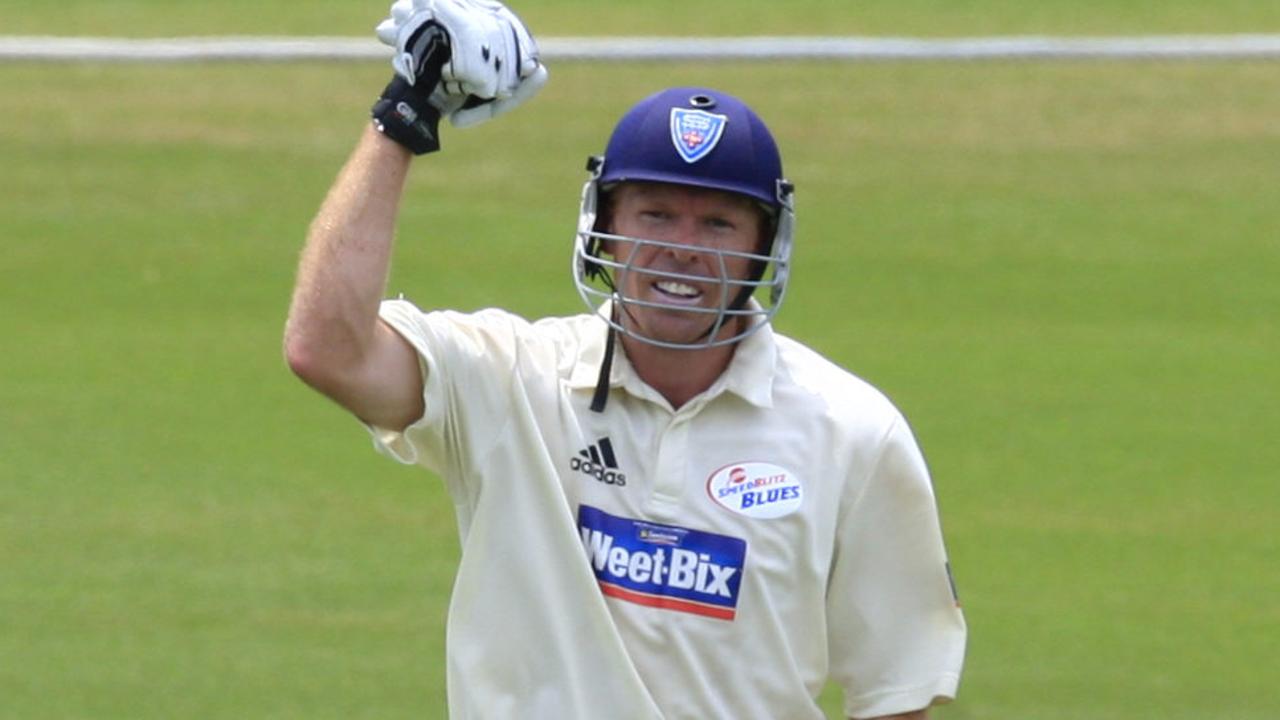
678	375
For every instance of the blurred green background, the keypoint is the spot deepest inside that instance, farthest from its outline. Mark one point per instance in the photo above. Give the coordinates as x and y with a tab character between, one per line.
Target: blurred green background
1064	273
936	18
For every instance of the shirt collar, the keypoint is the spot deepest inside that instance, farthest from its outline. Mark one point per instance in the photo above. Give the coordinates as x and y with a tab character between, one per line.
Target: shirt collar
749	375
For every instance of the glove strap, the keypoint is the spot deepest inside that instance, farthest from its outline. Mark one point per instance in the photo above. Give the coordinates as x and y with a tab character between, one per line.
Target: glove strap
404	112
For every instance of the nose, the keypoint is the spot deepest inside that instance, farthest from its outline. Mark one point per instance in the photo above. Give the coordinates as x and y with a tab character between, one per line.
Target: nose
685	243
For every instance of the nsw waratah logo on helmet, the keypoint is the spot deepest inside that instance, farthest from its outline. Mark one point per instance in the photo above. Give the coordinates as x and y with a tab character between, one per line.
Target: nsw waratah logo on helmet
695	132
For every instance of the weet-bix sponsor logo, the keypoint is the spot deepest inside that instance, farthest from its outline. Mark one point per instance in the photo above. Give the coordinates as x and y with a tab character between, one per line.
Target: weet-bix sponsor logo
598	461
663	566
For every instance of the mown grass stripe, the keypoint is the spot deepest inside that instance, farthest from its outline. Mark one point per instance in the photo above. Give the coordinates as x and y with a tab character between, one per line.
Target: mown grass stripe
102	49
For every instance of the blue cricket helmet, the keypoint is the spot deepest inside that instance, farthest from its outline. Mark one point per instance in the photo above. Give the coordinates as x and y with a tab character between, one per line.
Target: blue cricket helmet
702	138
695	136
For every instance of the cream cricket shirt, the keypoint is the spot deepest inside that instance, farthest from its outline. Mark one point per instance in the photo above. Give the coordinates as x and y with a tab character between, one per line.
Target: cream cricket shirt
719	561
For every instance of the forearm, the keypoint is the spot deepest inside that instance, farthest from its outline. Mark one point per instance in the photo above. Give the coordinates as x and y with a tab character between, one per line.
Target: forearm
343	271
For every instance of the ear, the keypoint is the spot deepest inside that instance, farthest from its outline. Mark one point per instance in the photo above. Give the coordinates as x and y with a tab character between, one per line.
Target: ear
604	219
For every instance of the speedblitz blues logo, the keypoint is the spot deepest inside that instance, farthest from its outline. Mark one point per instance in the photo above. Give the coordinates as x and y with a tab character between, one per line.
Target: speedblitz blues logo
695	132
663	566
756	489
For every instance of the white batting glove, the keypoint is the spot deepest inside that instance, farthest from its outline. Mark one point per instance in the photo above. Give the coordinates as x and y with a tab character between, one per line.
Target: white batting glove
493	65
406	18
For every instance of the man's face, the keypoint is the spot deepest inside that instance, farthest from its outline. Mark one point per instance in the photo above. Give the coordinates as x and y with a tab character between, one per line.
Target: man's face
696	222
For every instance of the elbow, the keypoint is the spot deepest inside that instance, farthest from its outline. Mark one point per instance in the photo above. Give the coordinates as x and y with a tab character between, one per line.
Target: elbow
300	358
307	360
328	364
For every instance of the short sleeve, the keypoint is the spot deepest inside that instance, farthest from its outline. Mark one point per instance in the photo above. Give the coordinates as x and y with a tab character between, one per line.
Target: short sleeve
466	361
895	631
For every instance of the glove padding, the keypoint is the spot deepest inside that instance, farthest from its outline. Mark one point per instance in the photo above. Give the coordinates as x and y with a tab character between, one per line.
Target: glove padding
493	63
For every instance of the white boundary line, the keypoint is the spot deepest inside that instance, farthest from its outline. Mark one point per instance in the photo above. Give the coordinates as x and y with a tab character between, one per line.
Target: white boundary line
72	49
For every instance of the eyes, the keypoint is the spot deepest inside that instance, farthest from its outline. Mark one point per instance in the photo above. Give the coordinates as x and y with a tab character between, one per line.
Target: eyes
710	218
658	218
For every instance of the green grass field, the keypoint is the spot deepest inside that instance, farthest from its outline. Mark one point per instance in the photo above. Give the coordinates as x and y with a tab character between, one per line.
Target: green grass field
1065	274
664	17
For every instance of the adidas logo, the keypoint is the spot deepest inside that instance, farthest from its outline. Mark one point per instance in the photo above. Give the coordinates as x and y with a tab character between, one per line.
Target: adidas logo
598	461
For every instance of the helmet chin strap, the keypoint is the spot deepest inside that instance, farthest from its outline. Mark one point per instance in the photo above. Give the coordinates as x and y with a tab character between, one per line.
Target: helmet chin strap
601	395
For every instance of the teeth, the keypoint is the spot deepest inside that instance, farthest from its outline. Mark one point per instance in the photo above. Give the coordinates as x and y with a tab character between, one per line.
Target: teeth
671	287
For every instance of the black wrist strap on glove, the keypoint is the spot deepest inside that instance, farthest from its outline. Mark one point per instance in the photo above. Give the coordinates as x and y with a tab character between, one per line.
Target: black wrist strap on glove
404	112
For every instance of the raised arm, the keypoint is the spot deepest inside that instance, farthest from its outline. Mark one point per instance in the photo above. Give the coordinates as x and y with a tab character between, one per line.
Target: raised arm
334	340
461	59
